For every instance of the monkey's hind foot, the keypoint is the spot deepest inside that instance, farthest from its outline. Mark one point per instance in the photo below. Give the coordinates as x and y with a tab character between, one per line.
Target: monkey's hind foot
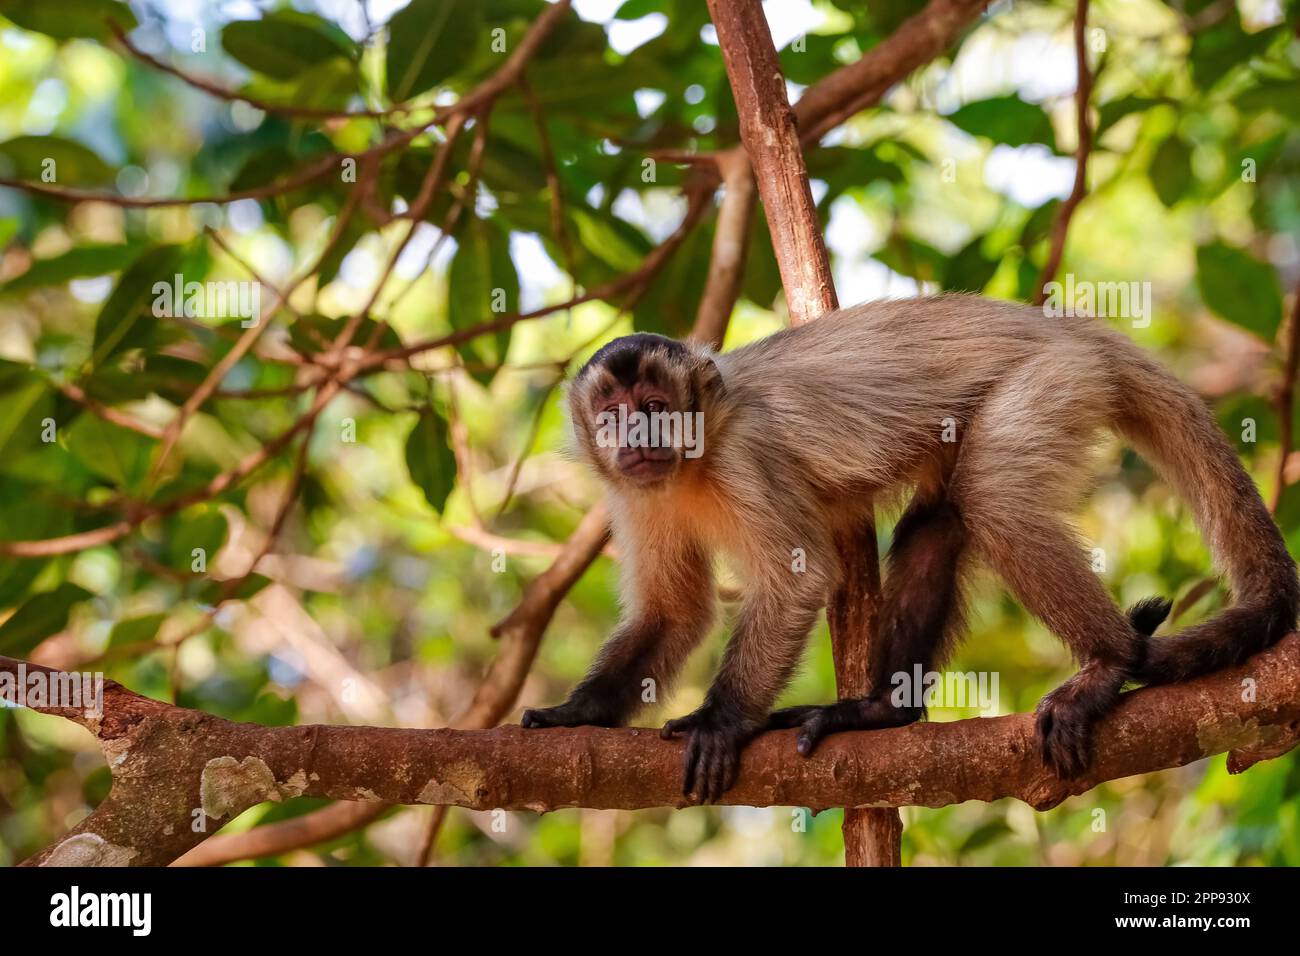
815	721
1064	735
1067	716
712	761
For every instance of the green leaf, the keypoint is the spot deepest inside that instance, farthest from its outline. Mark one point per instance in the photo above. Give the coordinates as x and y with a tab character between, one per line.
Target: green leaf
762	277
315	333
285	43
610	240
116	454
982	836
970	270
125	321
1039	223
54	160
27	513
203	530
844	167
214	591
42	615
1219	48
910	257
1171	170
429	458
262	168
65	19
1108	114
888	15
92	260
328	85
135	630
26	399
1280	96
1240	288
428	41
482	286
1005	119
668	305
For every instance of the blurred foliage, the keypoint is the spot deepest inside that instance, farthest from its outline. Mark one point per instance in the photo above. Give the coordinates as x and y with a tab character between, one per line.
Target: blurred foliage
382	609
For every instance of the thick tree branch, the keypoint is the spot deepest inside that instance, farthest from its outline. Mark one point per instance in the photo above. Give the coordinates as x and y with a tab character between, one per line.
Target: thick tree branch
730	249
170	764
767	129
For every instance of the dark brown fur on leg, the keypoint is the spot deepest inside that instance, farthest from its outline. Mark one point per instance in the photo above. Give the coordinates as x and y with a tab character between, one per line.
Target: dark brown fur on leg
920	609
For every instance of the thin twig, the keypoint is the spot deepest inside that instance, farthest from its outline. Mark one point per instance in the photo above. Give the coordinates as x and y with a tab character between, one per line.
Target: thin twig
1286	401
266	106
1082	93
107	412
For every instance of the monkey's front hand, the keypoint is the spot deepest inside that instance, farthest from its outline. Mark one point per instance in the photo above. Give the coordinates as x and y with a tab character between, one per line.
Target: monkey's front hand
717	736
577	711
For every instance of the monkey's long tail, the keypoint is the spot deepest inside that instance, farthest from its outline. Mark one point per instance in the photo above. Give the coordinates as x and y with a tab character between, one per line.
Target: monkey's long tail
1171	428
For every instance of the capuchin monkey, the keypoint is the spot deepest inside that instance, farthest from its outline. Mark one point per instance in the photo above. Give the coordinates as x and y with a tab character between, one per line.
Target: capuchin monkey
986	412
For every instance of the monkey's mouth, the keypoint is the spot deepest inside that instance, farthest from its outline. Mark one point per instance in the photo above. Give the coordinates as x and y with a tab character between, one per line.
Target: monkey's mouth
646	465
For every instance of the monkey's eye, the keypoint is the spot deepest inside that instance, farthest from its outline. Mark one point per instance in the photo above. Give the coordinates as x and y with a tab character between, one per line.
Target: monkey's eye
654	406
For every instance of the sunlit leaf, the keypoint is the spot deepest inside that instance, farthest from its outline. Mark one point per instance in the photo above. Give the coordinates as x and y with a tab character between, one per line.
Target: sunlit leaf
135	630
1240	288
78	262
1005	119
42	615
66	19
54	160
285	43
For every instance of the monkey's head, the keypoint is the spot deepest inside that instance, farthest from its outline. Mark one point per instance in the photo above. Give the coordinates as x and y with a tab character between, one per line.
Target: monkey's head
639	405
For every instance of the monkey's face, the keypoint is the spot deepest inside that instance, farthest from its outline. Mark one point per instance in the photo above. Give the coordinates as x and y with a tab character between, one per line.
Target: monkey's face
632	407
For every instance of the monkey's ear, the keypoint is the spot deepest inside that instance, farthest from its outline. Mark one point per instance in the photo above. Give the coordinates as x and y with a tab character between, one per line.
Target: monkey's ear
709	386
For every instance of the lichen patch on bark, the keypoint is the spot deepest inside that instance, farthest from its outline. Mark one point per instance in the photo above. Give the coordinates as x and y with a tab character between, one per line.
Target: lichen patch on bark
295	786
115	750
462	784
1217	735
89	849
229	786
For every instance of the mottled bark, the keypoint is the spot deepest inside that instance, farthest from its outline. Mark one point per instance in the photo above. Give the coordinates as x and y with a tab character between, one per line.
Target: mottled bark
175	768
767	129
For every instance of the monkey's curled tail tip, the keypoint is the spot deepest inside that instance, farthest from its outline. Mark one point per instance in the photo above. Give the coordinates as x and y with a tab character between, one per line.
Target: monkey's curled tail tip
1149	614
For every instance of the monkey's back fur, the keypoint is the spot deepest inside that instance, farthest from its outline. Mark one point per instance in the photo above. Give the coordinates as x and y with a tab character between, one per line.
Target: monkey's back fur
865	399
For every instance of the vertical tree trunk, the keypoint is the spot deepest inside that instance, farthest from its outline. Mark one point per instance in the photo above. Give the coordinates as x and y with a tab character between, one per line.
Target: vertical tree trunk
767	128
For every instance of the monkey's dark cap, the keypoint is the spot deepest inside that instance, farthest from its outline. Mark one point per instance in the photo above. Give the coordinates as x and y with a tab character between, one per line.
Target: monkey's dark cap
622	357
